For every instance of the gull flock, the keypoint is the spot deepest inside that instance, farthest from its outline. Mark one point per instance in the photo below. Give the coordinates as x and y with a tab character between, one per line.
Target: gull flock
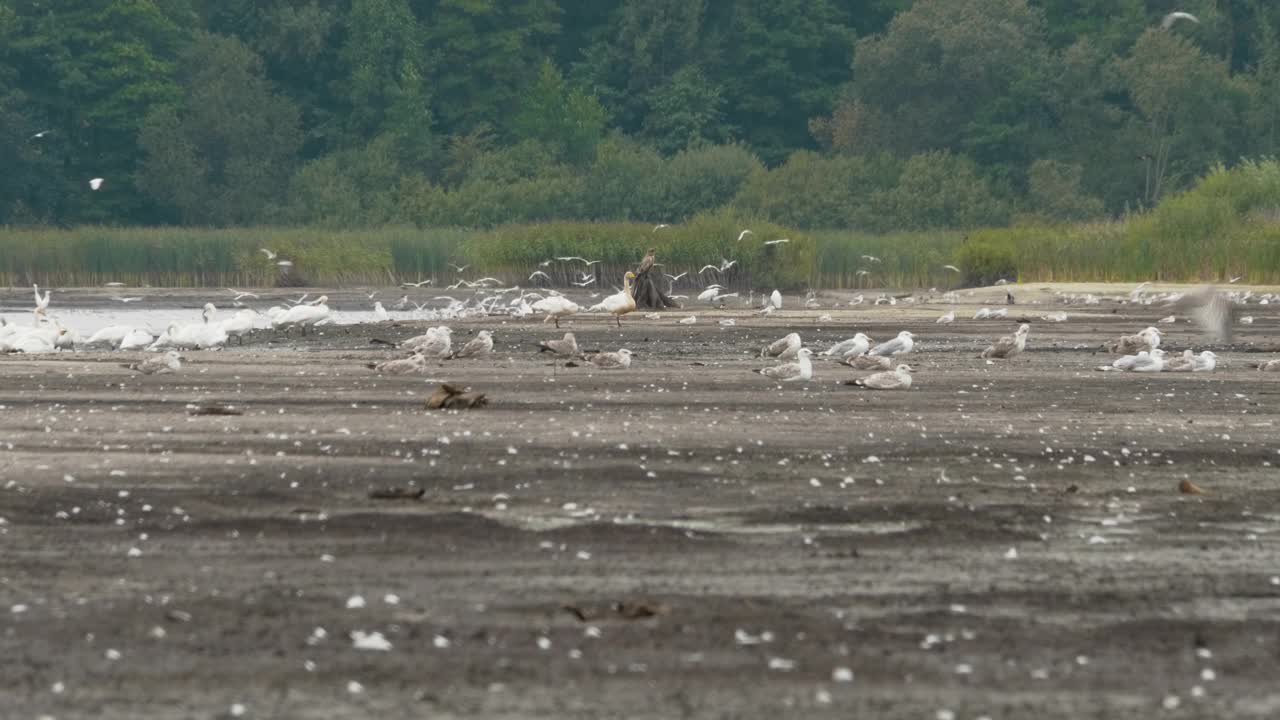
1140	352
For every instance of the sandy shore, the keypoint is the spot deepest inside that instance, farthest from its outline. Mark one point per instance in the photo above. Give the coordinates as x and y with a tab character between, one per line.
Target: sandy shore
686	539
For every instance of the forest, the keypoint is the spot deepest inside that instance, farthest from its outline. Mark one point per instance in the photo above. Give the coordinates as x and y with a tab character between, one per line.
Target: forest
872	116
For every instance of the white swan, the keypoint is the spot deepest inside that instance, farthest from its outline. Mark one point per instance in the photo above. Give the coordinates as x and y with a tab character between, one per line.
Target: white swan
304	316
240	324
555	308
619	303
380	313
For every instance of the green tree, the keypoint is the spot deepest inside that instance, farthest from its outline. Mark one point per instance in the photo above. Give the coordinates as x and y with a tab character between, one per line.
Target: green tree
384	81
940	190
686	112
224	154
484	53
1189	108
780	63
1055	193
94	69
562	117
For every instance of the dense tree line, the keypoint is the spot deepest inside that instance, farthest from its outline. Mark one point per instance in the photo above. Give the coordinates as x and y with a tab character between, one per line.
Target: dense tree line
869	114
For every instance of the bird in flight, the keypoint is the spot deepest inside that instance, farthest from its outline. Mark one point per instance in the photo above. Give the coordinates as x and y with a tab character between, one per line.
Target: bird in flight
416	285
95	183
570	259
586	280
269	253
659	226
458	268
777	242
674	278
1174	17
40	134
241	294
744	233
952	268
539	273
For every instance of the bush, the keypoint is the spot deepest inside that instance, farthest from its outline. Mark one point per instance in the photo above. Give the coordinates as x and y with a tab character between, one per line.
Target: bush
984	261
704	178
939	190
816	191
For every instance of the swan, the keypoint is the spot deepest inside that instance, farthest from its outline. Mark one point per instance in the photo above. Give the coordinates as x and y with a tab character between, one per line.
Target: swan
555	307
136	339
201	336
240	324
380	313
304	316
619	303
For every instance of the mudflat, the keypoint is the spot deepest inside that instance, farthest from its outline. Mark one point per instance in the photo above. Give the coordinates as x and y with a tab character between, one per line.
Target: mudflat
681	539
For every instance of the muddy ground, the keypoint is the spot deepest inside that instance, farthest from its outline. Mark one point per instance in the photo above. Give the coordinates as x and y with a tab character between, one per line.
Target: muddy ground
685	539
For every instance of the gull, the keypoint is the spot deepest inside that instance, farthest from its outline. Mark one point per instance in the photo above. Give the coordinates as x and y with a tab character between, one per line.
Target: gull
947	318
801	369
463	268
952	268
1056	317
743	234
127	299
871	258
555	307
284	263
481	344
1168	320
867	362
674	278
40	134
436	342
1174	17
688	320
1148	339
567	345
241	294
1269	366
777	242
611	360
898	379
1212	310
709	267
271	255
776	300
709	295
988	313
1009	345
586	280
300	300
728	322
544	263
856	345
160	364
42	304
1188	361
113	284
857	300
380	313
95	183
825	317
415	285
619	303
1235	279
726	264
900	345
579	259
1246	320
319	301
860	273
402	303
1144	361
767	310
659	226
539	273
415	363
786	347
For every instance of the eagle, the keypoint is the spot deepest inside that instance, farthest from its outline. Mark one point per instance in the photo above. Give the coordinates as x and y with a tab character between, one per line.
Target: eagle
646	262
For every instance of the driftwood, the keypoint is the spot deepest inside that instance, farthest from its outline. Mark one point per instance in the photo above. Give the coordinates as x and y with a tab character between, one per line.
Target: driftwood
645	288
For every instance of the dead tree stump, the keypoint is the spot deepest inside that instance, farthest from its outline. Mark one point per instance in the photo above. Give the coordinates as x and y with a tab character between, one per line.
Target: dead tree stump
646	292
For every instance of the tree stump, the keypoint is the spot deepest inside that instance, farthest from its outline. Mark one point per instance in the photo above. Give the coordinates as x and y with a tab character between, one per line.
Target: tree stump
645	290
